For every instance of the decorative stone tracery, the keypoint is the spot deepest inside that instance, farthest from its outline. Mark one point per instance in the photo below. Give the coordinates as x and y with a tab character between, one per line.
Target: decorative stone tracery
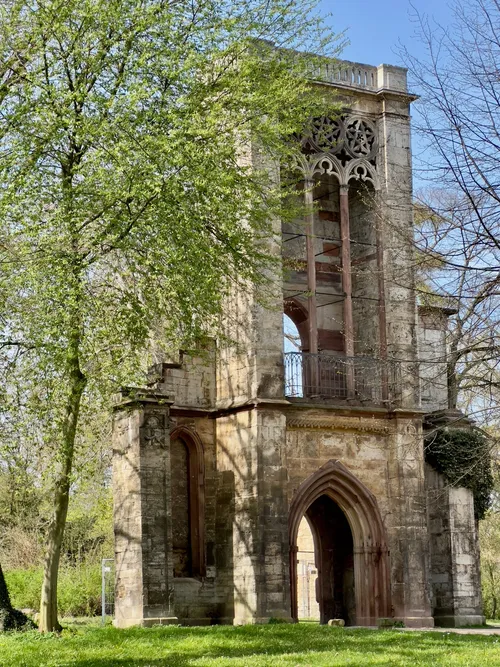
327	134
325	163
340	146
360	138
327	423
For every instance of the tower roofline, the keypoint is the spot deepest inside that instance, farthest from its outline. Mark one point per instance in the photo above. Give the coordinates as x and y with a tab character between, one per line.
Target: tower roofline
346	74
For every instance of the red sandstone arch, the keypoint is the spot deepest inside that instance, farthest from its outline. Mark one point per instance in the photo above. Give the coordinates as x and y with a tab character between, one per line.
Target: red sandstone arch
196	496
371	555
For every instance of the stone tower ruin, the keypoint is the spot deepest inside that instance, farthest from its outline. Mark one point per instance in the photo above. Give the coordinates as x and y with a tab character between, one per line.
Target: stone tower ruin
312	424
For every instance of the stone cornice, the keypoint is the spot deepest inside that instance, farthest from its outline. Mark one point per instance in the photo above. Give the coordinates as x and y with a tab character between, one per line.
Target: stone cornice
132	396
383	93
334	423
322	411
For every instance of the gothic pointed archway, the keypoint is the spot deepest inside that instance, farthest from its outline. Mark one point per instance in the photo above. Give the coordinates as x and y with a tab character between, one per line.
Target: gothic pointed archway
371	555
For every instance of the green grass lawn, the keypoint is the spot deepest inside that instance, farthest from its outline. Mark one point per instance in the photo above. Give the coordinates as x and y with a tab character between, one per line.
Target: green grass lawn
255	646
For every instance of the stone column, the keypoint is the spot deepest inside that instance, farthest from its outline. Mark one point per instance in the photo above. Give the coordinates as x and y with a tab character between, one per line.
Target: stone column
454	556
346	270
395	223
382	317
407	525
345	233
311	273
251	447
142	510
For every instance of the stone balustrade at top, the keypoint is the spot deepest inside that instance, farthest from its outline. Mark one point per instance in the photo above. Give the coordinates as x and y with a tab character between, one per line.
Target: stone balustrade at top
362	77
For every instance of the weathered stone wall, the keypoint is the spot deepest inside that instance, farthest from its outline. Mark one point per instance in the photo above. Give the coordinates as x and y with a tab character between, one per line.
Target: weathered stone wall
454	553
252	367
250	447
396	223
365	288
386	455
127	519
432	327
407	524
190	379
260	463
142	514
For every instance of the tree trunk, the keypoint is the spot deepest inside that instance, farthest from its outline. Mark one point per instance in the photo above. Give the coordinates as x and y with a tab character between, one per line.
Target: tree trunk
494	602
10	618
4	593
48	610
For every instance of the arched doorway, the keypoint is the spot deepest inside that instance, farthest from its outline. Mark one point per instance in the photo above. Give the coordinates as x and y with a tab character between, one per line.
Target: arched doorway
350	546
330	583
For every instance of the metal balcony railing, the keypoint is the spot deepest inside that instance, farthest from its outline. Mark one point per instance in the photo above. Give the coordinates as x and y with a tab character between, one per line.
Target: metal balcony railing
363	379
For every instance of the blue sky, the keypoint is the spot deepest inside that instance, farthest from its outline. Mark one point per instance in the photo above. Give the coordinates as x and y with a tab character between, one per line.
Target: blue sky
374	27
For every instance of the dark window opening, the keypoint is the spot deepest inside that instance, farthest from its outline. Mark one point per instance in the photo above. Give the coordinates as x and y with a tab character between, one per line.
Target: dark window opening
187	485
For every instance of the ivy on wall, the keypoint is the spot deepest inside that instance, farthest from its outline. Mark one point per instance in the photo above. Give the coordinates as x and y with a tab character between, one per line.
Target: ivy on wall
463	457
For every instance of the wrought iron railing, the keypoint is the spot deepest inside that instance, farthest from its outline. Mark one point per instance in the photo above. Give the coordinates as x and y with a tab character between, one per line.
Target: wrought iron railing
323	375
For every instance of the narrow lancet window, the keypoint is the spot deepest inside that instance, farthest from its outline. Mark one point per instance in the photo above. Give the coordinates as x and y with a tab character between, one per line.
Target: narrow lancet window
181	528
187	488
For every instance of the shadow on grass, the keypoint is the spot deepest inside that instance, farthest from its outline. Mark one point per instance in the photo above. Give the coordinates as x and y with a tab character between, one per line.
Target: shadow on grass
250	645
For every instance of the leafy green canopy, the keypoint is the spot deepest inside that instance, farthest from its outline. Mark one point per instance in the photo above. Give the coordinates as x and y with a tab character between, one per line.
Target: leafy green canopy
463	456
140	144
127	197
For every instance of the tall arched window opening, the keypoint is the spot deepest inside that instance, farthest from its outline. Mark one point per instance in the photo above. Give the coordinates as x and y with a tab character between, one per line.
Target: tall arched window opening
293	358
187	490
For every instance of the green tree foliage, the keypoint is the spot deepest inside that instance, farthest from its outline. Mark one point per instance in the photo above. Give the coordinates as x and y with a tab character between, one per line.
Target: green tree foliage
489	534
78	588
25	499
126	197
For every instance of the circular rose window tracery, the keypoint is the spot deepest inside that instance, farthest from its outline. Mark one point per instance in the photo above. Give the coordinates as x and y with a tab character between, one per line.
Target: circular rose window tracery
327	133
347	136
360	138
